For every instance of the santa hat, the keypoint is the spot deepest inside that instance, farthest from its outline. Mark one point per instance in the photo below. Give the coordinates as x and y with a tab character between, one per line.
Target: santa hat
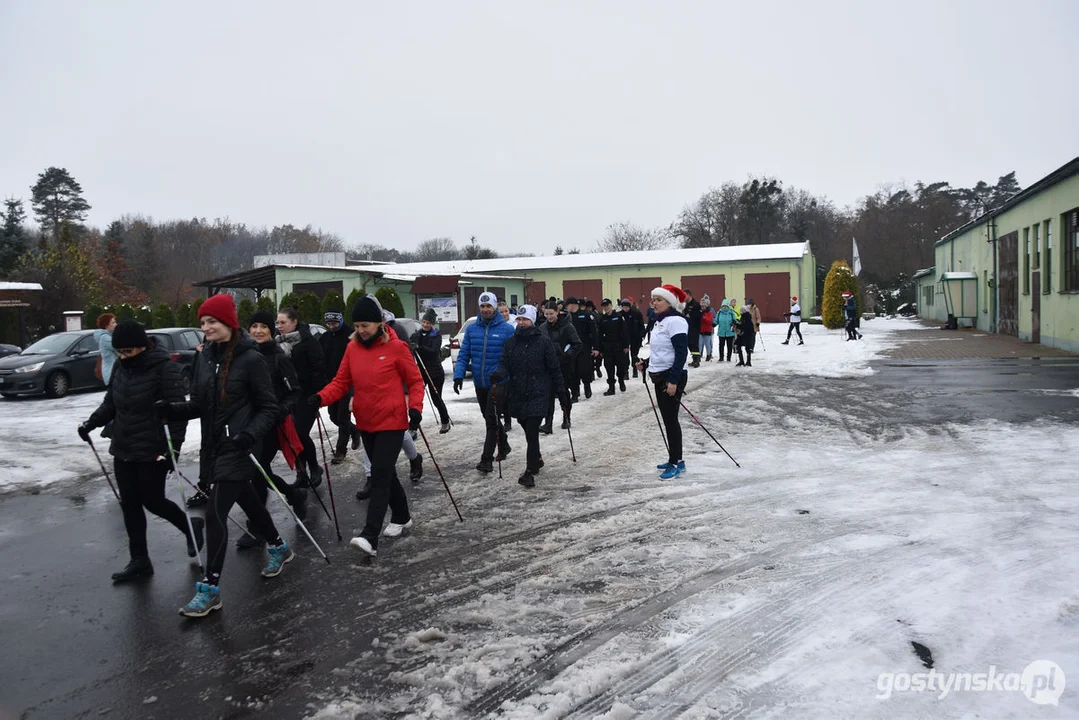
672	294
794	298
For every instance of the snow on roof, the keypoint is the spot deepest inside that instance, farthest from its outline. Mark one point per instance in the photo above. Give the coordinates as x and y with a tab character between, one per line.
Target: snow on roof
401	276
923	272
680	256
959	276
20	286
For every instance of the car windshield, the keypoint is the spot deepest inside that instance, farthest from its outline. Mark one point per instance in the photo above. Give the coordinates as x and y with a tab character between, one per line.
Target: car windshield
51	345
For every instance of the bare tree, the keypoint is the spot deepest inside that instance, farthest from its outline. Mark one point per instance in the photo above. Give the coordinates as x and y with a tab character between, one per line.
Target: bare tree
712	221
624	236
441	248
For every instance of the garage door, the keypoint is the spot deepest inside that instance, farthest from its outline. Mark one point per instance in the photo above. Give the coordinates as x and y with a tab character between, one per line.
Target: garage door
536	293
770	293
583	290
638	288
713	285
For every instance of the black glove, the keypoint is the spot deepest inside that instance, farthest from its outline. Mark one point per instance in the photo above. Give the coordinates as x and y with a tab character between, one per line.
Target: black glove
314	401
415	417
163	408
84	430
497	377
240	442
457	385
415	347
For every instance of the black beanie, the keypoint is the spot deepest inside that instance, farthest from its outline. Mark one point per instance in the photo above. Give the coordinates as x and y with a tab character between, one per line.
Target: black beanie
366	310
129	334
265	317
431	316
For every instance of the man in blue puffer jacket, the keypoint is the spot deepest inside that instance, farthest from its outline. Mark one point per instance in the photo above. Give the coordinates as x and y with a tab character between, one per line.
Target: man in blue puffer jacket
481	348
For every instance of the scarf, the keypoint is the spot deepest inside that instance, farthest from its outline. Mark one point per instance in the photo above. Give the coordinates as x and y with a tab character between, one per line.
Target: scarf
289	341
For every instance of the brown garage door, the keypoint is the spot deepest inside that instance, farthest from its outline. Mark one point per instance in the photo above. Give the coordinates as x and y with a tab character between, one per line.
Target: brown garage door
472	303
1008	311
583	289
713	285
500	293
536	292
770	293
638	288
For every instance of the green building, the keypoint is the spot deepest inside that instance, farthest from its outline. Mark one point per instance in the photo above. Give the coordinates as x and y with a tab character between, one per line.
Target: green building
1014	270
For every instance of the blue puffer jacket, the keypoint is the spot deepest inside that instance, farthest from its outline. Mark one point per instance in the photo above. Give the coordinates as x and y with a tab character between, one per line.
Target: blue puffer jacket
481	349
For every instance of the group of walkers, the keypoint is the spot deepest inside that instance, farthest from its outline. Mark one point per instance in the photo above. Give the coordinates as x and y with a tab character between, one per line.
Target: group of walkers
257	391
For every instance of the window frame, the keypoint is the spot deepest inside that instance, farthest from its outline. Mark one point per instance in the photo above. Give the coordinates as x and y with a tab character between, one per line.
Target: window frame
1047	275
1026	261
1070	256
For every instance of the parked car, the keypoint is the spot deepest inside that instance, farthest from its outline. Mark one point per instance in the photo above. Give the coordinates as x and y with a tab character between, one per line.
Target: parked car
54	365
6	350
455	341
182	344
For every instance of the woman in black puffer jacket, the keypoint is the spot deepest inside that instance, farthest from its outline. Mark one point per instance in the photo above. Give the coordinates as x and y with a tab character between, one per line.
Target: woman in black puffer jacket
305	352
233	396
140	452
529	361
560	331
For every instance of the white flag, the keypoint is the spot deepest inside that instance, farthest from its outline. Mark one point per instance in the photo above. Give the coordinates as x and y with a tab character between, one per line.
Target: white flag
857	260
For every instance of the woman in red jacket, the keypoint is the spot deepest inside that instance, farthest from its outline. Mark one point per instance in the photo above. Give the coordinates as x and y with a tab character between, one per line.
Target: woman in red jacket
377	370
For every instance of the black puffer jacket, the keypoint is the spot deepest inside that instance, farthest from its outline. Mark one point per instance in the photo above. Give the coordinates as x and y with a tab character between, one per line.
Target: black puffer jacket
308	359
249	408
429	348
529	361
286	385
137	383
564	337
613	333
333	348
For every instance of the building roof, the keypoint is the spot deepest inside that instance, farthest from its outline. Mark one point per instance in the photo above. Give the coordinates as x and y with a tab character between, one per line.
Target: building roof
1062	173
681	256
923	272
960	275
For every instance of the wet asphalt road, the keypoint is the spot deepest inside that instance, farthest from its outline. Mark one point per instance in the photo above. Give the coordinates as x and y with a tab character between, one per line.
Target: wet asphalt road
75	646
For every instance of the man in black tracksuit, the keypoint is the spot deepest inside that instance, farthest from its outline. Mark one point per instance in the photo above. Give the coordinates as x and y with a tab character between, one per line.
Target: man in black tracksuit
597	358
692	313
635	320
333	342
558	328
614	344
589	336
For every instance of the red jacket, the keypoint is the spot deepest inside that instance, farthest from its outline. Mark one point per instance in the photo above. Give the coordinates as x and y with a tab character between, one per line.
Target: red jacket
378	375
707	321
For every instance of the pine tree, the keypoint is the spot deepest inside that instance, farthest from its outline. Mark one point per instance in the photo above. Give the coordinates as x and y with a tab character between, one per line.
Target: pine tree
266	303
353	298
390	300
244	310
333	302
185	315
144	316
13	235
840	278
289	299
163	316
57	198
310	308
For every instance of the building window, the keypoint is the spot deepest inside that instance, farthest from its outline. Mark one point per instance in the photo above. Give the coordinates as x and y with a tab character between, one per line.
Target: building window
1037	242
1026	261
513	301
1047	280
1070	243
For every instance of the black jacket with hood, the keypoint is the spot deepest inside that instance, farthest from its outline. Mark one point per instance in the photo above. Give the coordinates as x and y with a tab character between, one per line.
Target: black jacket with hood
563	335
529	361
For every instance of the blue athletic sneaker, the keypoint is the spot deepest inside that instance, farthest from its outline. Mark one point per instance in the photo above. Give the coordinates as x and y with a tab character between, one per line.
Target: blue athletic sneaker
674	471
207	599
279	555
663	466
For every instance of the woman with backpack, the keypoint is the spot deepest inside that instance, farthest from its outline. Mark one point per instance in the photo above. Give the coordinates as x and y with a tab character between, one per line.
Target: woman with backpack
140	451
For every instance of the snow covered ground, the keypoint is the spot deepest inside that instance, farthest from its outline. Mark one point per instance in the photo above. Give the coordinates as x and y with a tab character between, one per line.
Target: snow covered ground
791	587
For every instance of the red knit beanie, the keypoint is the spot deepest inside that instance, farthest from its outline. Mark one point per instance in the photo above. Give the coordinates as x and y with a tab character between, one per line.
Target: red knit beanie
222	307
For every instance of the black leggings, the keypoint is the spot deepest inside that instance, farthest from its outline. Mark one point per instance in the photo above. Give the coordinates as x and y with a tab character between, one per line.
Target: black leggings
142	485
792	328
383	449
726	343
435	382
341	416
266	458
668	410
223	496
486	397
304	419
532	455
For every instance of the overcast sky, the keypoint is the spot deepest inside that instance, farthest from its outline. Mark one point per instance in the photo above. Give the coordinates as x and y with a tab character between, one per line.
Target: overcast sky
525	124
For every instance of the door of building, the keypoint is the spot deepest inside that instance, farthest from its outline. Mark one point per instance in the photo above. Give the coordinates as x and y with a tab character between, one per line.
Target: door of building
1036	307
638	288
472	303
500	293
771	294
1008	284
583	289
711	285
536	292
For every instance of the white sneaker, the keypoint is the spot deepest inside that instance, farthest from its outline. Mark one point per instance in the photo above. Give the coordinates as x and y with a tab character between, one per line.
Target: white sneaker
396	529
364	545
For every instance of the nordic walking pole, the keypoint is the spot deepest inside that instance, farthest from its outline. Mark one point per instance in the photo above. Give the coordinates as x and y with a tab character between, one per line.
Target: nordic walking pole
644	378
284	502
329	483
430	386
498	424
91	442
444	484
760	336
709	434
183	496
572	453
196	488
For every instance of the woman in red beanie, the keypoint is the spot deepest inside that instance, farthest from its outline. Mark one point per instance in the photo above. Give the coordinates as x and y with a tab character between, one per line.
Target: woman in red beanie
233	395
378	371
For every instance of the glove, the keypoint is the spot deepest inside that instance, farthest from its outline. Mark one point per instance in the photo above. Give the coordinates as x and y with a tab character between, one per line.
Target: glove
457	385
84	431
414	419
240	442
415	347
163	408
497	377
314	401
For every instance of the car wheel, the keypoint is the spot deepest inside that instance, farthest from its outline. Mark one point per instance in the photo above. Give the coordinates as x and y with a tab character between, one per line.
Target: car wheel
57	384
186	379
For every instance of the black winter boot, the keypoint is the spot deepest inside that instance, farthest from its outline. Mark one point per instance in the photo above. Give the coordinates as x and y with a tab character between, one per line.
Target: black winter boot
547	427
485	465
587	392
503	448
138	567
621	384
415	468
364	492
527	480
610	389
298	500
